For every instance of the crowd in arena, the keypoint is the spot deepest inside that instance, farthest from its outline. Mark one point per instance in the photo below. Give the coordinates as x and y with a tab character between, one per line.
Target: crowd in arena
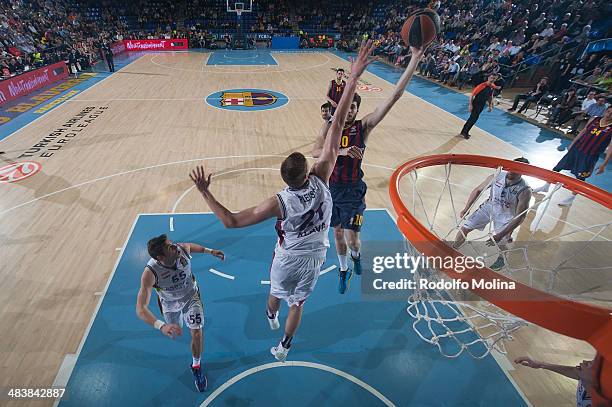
502	38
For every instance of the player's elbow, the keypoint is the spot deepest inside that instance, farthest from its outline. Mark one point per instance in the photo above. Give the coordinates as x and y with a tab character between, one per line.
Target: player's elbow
140	311
230	222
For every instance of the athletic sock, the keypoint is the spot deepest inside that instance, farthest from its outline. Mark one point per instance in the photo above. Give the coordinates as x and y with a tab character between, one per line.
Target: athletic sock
270	315
355	254
342	258
196	362
286	342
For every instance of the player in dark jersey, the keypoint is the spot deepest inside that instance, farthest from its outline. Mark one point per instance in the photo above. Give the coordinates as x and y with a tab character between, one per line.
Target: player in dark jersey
583	153
346	182
335	89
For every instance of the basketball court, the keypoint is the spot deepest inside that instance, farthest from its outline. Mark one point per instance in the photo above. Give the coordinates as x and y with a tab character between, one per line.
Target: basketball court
109	169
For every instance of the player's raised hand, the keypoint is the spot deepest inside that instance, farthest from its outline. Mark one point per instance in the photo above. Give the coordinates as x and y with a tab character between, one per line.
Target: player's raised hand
364	58
171	330
417	52
199	178
218	253
355	152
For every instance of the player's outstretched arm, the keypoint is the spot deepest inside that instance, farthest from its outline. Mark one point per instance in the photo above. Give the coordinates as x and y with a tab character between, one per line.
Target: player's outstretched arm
196	248
475	194
265	210
371	120
325	164
142	306
568	371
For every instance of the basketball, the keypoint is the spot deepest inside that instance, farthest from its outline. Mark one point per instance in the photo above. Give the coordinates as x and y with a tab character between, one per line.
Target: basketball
421	28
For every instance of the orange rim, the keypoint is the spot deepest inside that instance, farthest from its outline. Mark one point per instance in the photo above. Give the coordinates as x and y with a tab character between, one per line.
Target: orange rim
579	320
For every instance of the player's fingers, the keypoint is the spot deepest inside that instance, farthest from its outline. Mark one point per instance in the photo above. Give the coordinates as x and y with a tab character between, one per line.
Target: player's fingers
209	176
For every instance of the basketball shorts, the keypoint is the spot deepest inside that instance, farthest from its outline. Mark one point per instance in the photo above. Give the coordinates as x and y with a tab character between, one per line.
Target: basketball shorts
292	278
580	164
349	205
483	216
191	311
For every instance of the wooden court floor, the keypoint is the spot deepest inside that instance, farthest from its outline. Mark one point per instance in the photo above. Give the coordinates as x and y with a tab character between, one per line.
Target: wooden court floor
62	228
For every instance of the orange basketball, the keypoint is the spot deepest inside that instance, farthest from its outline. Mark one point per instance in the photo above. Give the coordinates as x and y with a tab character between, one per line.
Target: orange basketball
421	28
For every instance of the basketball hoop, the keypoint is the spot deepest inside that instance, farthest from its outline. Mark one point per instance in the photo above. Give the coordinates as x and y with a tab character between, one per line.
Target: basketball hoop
438	316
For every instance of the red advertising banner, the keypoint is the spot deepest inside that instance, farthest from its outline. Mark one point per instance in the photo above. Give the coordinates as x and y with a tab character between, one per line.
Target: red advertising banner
28	82
156	45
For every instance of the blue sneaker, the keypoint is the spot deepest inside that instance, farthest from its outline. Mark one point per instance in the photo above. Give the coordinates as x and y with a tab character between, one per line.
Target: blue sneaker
345	280
357	264
200	379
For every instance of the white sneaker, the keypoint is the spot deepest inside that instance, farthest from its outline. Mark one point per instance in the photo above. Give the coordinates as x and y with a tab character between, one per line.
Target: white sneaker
543	188
279	352
274	324
567	201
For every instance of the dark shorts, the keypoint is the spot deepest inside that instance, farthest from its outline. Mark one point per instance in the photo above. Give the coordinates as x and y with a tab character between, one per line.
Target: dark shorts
580	164
349	205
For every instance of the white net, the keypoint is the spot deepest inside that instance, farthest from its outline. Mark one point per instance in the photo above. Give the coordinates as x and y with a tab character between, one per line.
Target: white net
554	249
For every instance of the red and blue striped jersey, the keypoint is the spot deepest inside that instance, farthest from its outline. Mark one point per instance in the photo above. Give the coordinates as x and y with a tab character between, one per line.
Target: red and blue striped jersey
347	169
336	90
595	138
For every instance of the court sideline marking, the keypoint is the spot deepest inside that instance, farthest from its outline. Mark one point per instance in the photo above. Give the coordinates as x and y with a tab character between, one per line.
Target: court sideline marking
258	71
78	94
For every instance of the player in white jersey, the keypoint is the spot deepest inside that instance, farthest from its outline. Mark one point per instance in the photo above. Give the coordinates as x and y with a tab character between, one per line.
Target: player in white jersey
582	373
303	212
178	295
506	208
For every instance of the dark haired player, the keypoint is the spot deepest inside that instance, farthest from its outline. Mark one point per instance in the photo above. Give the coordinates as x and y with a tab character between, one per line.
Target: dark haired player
169	272
346	183
303	213
336	89
506	208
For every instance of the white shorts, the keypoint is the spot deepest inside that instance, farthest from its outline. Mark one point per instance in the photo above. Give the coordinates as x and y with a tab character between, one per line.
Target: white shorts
482	217
190	311
292	278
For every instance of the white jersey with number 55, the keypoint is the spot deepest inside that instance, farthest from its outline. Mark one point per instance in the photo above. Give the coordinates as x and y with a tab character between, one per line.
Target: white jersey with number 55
303	229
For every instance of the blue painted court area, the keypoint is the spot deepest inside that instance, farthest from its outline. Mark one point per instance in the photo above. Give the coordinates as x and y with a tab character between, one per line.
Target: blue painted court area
241	57
542	147
348	351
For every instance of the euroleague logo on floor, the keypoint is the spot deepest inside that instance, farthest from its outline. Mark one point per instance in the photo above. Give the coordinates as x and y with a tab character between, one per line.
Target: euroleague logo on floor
18	171
247	99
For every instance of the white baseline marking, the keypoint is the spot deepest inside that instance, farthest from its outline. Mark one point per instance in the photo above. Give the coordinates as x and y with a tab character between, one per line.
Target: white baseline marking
221	274
252	72
265	282
296	363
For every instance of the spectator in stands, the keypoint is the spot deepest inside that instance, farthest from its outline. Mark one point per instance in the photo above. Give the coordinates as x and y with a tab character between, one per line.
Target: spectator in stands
449	75
548	31
596	109
562	107
533	96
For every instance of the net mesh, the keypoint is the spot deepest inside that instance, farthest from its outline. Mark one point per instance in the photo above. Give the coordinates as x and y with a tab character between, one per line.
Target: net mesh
556	254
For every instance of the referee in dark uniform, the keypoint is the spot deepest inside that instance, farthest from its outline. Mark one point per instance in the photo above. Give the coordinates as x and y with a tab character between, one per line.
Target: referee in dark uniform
108	54
481	95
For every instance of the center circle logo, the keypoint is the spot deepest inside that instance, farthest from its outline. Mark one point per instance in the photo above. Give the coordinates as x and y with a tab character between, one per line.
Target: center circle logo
249	100
18	171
